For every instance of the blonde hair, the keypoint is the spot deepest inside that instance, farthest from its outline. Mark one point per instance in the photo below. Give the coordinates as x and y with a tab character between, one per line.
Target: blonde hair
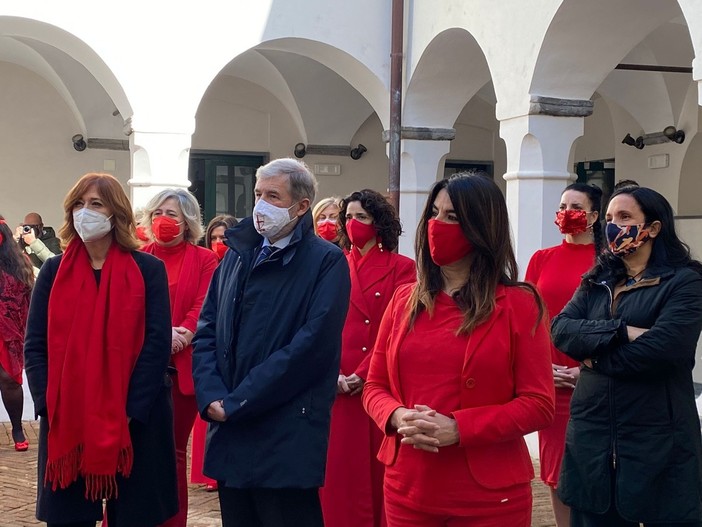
188	206
323	204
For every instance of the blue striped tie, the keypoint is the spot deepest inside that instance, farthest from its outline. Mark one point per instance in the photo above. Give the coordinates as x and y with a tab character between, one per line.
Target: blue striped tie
265	253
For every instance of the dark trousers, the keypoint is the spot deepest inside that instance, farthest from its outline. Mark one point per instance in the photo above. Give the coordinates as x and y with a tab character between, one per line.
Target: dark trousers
611	518
269	507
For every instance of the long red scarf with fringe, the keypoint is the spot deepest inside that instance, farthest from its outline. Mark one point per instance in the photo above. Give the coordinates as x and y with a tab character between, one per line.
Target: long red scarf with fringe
95	335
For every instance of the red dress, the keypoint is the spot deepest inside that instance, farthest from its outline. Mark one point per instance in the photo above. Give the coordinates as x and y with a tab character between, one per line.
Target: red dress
556	272
496	383
352	495
14	306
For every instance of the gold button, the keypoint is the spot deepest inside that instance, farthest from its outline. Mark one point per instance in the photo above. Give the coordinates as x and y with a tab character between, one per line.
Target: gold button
377	294
470	383
364	348
367	321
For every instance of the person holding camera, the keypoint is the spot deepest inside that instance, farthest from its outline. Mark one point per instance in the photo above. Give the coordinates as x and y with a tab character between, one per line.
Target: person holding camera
38	241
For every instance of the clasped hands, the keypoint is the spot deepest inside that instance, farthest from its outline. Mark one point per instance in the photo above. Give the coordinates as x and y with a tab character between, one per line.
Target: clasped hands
424	428
180	339
349	385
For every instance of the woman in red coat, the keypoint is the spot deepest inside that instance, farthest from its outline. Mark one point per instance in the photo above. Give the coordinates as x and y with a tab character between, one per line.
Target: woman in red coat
352	495
214	240
461	370
173	218
556	272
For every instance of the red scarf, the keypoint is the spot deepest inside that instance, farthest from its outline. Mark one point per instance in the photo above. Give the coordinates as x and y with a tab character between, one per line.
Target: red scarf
95	335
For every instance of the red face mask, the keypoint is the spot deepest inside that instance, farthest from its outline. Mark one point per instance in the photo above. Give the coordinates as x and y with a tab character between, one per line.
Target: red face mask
141	233
219	249
326	230
360	233
447	244
571	221
165	229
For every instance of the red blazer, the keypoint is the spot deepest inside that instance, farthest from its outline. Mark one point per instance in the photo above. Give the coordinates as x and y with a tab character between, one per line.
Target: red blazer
383	272
196	272
507	386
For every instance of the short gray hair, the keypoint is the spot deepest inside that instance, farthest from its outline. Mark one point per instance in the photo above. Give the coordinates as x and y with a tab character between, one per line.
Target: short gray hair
188	206
301	182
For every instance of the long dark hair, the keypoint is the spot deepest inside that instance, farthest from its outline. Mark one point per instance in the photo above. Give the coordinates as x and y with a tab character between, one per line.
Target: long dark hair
667	249
482	213
385	219
594	194
13	260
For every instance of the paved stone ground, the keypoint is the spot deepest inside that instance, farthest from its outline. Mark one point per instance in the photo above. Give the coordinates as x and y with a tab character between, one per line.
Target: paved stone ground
18	488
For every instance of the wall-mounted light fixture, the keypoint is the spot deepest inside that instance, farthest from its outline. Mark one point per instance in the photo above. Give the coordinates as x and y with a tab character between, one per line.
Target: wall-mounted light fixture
357	152
301	150
669	134
79	143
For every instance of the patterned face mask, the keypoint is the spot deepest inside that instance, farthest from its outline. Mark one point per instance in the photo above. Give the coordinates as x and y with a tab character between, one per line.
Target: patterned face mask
571	221
625	239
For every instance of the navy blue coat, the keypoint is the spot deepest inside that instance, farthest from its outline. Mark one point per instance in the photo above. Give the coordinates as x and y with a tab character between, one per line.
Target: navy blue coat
268	343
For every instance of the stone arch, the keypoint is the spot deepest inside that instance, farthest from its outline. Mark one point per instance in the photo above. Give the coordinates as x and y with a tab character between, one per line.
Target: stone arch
339	61
28	31
572	63
450	71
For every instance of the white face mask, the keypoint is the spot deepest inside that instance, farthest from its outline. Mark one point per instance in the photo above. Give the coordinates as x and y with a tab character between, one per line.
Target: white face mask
269	220
90	224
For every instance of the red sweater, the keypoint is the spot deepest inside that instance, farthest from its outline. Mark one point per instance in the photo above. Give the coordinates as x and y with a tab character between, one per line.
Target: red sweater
556	272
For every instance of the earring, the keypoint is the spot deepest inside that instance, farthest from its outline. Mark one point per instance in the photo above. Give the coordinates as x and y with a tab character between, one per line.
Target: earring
380	246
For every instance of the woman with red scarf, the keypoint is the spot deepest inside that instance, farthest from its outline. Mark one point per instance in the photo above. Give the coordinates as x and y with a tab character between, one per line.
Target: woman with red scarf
352	495
96	353
16	281
461	370
173	218
214	240
556	272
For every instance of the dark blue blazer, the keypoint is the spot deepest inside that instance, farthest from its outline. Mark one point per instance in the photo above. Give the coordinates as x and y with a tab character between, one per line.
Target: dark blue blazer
268	343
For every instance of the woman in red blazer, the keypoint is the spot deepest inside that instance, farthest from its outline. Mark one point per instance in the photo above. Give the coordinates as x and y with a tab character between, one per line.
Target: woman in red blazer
173	218
461	370
352	495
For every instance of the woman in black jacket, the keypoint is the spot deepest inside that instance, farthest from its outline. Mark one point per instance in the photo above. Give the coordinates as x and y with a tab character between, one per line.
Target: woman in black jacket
96	352
633	448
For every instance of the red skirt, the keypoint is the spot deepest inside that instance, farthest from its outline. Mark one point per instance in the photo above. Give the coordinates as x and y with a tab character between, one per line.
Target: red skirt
197	453
552	439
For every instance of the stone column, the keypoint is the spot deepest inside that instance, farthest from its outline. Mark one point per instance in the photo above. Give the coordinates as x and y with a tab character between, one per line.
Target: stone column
423	153
539	167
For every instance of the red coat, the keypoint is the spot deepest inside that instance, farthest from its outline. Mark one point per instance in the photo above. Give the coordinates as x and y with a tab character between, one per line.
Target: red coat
196	272
507	387
352	493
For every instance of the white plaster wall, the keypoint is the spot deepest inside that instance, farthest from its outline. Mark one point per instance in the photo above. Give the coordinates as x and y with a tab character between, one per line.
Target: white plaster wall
181	50
39	163
478	139
598	140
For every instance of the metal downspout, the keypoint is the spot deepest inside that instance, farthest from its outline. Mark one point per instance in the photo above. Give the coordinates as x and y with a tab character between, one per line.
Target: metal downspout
396	49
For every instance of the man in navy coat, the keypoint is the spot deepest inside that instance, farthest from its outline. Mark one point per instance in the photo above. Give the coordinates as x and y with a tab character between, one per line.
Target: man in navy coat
266	356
